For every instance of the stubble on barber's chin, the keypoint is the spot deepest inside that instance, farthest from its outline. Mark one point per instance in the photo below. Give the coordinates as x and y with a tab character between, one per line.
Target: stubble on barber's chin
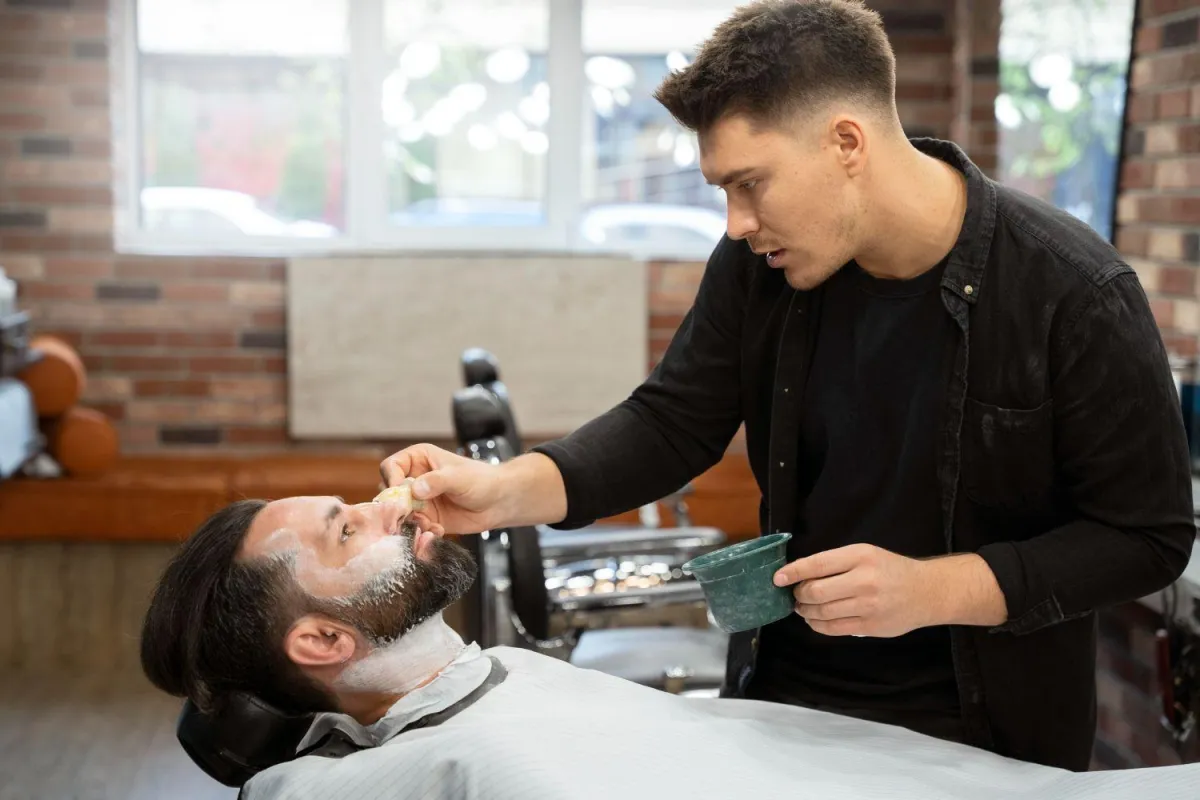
405	595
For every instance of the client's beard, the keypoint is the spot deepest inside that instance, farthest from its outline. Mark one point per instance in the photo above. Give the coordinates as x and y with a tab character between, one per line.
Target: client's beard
406	593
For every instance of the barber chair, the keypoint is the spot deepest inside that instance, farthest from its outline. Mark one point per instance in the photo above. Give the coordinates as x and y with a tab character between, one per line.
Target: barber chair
601	540
523	597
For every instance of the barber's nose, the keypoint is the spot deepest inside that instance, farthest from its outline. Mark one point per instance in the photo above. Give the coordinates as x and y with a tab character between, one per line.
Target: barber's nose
740	223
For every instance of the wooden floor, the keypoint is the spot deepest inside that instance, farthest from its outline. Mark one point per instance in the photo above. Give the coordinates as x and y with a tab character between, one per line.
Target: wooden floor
95	735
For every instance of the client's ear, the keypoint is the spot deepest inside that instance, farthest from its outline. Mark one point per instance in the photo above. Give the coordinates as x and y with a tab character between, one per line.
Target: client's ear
316	641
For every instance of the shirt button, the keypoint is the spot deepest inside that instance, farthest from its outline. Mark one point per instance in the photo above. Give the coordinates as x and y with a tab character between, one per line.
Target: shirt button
969	289
781	463
785	390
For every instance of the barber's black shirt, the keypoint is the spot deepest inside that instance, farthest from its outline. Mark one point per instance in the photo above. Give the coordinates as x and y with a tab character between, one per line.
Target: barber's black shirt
872	407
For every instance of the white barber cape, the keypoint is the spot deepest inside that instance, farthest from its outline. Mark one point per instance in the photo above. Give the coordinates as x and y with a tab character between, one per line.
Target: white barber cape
551	731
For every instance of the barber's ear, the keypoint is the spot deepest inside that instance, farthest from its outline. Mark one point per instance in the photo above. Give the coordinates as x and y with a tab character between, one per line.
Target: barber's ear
318	642
851	142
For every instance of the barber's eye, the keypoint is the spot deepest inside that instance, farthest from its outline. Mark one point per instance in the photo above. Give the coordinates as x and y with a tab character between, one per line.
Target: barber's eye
748	185
346	532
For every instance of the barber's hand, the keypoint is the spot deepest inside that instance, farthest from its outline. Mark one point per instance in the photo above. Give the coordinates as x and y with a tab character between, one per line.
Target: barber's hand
862	590
461	494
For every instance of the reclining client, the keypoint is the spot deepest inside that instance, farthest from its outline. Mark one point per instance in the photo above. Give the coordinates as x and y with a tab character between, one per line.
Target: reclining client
333	610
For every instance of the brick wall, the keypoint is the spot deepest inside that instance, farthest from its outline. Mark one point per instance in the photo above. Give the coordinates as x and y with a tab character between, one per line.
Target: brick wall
1158	212
191	352
1158	216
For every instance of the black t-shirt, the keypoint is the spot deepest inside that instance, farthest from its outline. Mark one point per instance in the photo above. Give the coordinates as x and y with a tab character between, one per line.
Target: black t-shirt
872	409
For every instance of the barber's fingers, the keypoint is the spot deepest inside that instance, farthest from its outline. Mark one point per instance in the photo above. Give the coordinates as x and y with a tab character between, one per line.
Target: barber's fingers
409	463
829	562
827	590
839	609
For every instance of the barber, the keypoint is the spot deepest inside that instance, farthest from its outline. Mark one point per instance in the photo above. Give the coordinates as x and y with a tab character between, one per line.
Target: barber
954	396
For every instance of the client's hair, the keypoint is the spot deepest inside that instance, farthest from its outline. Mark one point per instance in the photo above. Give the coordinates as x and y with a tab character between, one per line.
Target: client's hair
773	58
216	623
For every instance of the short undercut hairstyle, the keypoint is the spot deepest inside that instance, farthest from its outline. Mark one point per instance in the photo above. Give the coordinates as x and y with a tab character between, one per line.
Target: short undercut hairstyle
773	59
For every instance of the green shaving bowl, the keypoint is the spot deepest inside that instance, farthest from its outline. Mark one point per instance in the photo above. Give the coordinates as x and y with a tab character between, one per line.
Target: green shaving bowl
738	583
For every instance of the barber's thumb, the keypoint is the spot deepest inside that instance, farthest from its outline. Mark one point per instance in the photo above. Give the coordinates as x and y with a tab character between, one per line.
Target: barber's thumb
432	484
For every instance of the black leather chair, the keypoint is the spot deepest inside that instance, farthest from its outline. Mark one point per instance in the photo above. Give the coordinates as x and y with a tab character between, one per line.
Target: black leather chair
520	599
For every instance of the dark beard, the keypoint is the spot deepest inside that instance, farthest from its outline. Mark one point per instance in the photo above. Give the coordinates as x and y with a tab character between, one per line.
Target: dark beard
399	598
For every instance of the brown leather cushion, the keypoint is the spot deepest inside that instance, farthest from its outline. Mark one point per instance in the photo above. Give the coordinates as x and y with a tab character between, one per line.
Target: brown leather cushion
57	380
84	442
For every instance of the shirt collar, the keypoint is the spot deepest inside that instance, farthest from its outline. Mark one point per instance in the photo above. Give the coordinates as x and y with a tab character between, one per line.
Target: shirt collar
965	264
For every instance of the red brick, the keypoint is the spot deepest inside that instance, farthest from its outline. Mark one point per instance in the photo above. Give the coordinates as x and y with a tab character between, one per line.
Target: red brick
270	318
1189	138
123	339
93	148
90	97
146	364
75	25
36	48
273	435
64	195
1181	344
1179	173
19	122
665	322
907	44
275	365
277	271
1137	175
191	387
1157	8
1163	312
216	365
8	149
20	71
114	411
257	293
79	267
1149	39
1182	210
200	339
32	96
72	338
92	73
17	22
270	389
231	269
24	267
55	243
161	410
1174	103
923	91
150	267
40	290
1178	280
1142	107
986	113
196	292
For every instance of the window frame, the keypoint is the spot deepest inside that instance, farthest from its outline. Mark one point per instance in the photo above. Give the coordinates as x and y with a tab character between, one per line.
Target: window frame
367	229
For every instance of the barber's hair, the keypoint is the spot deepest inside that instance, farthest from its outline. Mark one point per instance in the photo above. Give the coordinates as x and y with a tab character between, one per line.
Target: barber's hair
216	623
773	59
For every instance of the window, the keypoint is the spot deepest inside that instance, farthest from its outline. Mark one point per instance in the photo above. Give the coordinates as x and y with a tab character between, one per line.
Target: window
339	125
1064	66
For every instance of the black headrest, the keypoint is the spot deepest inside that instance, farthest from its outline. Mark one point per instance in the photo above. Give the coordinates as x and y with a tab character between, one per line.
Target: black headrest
479	366
478	414
244	737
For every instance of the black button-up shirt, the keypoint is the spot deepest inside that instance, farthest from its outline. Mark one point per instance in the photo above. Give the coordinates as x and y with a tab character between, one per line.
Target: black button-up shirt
1062	459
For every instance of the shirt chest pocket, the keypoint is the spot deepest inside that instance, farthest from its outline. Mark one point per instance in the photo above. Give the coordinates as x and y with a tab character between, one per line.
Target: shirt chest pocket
1008	456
